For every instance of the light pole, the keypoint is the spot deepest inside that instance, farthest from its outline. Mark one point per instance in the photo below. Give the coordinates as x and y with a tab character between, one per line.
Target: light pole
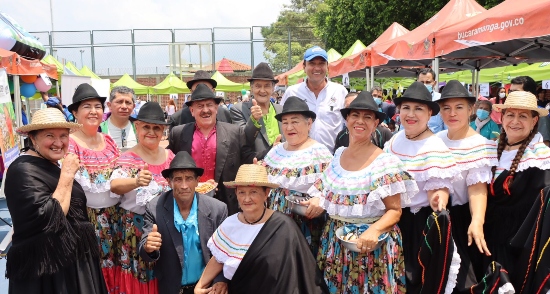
51	18
81	62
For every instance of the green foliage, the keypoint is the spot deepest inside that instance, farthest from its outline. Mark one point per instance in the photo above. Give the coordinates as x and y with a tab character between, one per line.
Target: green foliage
339	23
293	24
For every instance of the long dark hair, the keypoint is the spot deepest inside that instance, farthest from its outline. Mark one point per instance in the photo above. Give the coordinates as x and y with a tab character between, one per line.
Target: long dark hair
498	95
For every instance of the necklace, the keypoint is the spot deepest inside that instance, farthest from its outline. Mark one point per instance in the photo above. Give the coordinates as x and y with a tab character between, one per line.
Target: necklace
515	144
410	138
255	222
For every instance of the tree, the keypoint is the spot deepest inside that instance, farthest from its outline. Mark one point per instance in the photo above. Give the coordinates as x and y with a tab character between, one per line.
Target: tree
293	25
339	23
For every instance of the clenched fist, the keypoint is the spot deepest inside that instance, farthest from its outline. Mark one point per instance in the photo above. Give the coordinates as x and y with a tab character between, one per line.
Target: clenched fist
71	163
154	240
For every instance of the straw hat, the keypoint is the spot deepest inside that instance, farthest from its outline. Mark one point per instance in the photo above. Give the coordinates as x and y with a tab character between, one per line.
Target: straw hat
251	175
49	118
521	100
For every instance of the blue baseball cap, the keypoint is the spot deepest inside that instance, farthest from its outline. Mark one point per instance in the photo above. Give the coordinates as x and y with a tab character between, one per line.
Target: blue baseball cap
53	101
315	51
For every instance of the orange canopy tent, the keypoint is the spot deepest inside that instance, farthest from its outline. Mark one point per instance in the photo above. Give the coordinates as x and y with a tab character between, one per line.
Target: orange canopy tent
360	60
283	78
514	30
17	65
416	47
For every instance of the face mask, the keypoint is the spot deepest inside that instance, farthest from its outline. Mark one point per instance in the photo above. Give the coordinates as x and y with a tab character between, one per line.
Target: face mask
378	101
430	88
482	114
501	95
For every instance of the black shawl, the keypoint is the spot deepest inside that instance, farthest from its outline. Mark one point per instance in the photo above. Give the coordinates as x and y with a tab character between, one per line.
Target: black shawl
533	265
495	280
44	239
436	253
278	261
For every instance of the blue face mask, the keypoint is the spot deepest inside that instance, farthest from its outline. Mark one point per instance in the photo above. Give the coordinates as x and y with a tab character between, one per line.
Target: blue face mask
482	114
378	101
429	87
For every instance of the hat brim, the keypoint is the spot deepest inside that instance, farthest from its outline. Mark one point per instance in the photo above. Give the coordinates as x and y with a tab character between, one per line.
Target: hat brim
234	184
309	114
381	116
218	100
166	173
500	107
263	79
153	121
24	130
211	81
469	98
75	105
434	106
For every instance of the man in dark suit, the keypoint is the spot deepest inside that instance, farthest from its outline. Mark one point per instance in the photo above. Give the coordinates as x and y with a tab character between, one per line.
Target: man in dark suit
257	117
171	224
184	116
218	147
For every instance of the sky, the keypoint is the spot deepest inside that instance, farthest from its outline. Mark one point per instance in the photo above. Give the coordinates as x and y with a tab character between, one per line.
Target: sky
74	15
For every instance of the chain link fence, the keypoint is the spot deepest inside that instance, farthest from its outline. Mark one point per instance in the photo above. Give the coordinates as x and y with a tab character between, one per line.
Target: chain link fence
157	52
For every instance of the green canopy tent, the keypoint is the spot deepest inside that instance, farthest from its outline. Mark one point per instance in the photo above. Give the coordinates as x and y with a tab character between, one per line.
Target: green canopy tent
491	75
70	66
85	71
357	47
126	80
538	71
226	85
332	54
52	61
171	85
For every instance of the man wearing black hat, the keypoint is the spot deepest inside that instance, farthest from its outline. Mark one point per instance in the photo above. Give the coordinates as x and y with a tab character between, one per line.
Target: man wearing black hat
177	226
257	117
184	116
217	147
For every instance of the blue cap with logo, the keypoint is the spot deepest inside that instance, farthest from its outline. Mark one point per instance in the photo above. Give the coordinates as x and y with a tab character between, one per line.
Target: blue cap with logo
315	51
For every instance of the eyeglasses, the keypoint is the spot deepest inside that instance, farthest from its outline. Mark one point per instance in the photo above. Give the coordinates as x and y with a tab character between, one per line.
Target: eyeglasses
123	137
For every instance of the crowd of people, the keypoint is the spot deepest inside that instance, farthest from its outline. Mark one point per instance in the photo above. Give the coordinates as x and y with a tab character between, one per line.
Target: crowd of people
313	195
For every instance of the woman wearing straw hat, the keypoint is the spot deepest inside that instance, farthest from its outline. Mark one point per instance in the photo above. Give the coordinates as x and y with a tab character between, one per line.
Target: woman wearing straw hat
523	170
97	153
54	249
295	165
136	180
475	156
363	188
258	249
433	166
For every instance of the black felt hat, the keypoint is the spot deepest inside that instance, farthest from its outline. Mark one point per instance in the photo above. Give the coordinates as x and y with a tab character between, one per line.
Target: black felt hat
201	75
455	89
202	92
182	160
84	92
295	105
418	93
152	113
364	101
263	72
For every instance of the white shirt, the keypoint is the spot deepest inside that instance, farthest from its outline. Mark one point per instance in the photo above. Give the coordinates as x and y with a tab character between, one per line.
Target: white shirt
326	106
116	134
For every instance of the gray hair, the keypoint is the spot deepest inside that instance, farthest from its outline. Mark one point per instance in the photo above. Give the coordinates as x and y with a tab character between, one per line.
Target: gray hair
121	90
376	88
486	102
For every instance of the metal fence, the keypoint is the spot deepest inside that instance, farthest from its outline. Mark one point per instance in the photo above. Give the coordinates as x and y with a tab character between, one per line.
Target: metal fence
141	52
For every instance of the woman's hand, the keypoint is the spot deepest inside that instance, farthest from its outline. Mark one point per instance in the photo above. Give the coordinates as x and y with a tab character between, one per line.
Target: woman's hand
475	233
144	177
439	199
368	240
313	209
71	163
202	291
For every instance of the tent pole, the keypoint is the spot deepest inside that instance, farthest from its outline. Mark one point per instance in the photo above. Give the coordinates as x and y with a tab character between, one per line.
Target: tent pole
371	77
435	66
367	78
57	89
17	101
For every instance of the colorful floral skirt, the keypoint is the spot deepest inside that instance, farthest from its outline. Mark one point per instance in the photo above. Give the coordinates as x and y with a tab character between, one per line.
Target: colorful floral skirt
134	274
344	271
311	228
105	221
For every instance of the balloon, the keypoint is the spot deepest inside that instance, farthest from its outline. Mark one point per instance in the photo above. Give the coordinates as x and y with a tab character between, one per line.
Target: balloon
243	92
42	86
28	79
28	90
